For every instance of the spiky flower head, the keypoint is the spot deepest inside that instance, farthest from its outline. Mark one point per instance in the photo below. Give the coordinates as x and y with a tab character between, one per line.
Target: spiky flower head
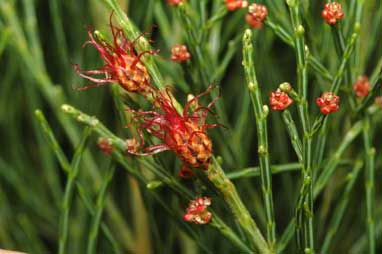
197	212
328	103
235	4
183	133
279	100
256	15
361	86
332	12
122	64
179	53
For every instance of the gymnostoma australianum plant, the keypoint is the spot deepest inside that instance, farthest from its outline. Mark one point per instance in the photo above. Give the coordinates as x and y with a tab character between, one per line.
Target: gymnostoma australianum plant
211	126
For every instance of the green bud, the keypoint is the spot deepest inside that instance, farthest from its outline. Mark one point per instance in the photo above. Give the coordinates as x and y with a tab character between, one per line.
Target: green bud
285	87
153	185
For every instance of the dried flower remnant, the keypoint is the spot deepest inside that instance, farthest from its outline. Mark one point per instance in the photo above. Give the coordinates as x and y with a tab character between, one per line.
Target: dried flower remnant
132	145
185	172
328	103
175	2
179	53
279	100
361	86
332	12
256	15
197	212
235	4
122	64
185	134
105	145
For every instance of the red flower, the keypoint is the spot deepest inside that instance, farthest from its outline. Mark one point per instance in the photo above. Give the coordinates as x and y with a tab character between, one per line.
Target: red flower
122	64
197	211
185	134
279	100
332	11
328	103
175	2
256	15
235	4
105	145
361	86
179	53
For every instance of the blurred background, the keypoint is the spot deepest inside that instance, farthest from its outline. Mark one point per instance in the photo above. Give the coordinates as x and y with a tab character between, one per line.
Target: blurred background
40	41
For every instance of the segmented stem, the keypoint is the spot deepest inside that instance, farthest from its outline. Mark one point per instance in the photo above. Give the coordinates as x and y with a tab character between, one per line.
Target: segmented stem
261	111
304	209
216	175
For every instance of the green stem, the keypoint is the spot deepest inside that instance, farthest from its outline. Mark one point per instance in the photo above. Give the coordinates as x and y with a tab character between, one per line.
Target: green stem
284	35
293	134
369	184
261	111
69	190
92	242
217	177
255	171
340	210
332	164
65	165
162	175
304	210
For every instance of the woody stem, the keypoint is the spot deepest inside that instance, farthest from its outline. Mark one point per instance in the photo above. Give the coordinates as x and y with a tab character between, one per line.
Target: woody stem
218	178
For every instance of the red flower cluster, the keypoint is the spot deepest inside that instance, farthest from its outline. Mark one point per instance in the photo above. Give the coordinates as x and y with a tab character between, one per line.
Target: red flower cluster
197	211
361	86
122	64
235	4
332	12
105	145
175	2
179	53
256	15
185	133
328	103
279	100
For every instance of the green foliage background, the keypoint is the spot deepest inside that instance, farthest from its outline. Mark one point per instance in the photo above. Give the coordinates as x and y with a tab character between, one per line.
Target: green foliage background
39	42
